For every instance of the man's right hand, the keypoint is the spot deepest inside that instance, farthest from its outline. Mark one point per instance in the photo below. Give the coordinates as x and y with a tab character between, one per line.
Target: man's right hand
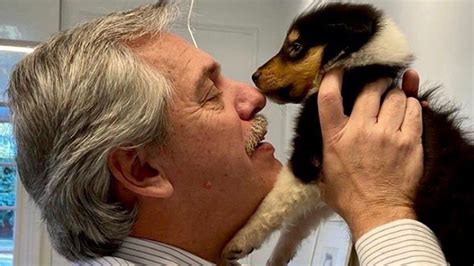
372	160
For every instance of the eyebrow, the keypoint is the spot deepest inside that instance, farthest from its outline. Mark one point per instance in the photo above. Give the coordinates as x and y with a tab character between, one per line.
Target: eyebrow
206	72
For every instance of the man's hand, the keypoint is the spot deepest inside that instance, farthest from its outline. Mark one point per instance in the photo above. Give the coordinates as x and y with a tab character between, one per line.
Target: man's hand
372	160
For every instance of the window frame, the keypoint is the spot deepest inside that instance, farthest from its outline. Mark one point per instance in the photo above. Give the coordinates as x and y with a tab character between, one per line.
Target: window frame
14	207
30	241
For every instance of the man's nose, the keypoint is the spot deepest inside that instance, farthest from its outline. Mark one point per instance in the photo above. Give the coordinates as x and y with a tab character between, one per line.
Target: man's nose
249	101
255	76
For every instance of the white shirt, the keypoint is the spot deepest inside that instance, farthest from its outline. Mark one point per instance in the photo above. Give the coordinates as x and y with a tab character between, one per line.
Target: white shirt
401	242
135	251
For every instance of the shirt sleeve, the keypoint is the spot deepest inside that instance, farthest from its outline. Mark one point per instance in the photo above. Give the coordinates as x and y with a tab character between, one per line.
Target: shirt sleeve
405	241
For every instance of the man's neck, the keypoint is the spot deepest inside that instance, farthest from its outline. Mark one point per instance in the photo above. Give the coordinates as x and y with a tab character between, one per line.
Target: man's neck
187	232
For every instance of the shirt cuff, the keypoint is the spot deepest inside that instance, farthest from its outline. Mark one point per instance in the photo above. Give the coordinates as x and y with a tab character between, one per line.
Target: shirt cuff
404	241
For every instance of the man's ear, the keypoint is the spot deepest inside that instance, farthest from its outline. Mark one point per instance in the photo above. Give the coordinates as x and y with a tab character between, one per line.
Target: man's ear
131	167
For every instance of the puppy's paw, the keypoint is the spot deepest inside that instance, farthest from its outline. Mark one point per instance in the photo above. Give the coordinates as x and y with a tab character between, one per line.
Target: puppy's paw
236	253
239	247
280	259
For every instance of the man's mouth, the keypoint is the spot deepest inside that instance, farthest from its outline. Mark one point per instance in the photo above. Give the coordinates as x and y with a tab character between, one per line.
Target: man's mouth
257	134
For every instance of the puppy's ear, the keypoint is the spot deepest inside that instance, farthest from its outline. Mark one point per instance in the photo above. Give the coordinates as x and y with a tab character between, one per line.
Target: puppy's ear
347	35
351	29
134	170
348	28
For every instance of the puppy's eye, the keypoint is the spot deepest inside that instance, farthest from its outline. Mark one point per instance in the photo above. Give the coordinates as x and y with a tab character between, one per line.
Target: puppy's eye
294	49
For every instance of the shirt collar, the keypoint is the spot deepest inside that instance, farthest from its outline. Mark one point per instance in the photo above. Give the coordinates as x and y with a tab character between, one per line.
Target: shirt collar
144	251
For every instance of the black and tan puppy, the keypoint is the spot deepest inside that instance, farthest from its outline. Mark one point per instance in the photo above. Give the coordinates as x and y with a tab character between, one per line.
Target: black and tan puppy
369	46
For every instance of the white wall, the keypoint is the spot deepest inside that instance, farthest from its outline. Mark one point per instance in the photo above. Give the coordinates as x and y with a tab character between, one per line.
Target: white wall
28	20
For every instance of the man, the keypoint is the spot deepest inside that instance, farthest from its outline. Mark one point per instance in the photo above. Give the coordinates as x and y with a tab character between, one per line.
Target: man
138	150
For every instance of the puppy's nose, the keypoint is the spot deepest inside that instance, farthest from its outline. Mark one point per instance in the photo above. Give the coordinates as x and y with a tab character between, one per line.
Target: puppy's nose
255	76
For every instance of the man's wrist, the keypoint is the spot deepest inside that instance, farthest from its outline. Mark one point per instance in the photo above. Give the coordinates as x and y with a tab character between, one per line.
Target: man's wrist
369	220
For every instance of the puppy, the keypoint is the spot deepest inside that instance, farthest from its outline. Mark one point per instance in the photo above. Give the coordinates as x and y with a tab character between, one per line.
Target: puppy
369	46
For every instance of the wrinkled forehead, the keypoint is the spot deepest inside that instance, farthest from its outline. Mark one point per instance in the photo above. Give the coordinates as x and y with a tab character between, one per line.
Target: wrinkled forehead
174	57
165	51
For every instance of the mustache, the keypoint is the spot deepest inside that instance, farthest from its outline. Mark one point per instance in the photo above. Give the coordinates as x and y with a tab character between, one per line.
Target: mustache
257	133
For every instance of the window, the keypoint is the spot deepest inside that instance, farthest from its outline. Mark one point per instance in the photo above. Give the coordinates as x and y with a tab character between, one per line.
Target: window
10	53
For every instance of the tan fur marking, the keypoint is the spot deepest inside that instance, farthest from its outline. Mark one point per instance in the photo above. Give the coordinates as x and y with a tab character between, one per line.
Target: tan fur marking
293	36
278	74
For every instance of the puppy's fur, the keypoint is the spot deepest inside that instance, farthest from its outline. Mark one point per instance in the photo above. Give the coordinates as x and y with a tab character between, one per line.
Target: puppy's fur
369	46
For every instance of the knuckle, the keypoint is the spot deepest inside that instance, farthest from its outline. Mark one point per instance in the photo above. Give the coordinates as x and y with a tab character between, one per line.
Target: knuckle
382	134
413	107
405	143
396	97
362	135
328	97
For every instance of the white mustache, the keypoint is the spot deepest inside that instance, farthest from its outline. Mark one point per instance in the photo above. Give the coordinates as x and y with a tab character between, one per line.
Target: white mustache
257	133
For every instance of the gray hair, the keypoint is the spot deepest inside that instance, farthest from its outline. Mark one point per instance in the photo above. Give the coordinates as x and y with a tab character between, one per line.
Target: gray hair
73	100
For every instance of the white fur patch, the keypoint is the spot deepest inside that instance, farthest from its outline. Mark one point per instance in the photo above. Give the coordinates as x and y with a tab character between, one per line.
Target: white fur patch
387	47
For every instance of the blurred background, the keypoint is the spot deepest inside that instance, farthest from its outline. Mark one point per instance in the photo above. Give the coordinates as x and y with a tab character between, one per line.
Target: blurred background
241	35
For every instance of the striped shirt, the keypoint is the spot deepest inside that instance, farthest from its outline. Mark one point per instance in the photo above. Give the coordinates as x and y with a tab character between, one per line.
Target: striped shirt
135	251
401	242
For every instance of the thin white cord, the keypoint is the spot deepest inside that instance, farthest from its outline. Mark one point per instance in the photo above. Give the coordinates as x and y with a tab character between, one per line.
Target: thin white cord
189	23
313	4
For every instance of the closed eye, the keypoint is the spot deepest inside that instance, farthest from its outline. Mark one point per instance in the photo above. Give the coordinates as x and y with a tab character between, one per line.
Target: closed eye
212	95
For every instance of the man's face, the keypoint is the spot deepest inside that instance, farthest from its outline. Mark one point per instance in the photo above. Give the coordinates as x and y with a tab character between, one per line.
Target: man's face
211	119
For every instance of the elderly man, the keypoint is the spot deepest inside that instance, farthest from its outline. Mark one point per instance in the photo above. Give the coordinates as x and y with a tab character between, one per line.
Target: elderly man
138	150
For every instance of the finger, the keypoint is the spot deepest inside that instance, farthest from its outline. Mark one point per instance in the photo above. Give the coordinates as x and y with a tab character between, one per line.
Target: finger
411	83
367	104
331	111
412	124
392	111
